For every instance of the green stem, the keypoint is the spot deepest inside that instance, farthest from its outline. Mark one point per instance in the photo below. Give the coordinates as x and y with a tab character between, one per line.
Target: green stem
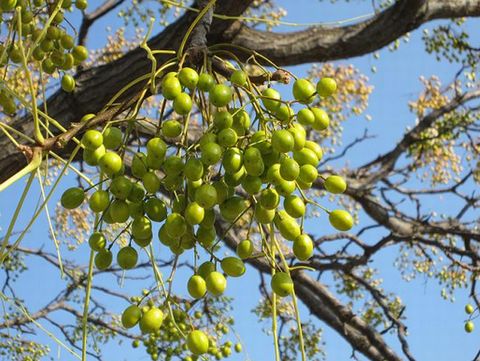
16	213
274	299
294	299
85	306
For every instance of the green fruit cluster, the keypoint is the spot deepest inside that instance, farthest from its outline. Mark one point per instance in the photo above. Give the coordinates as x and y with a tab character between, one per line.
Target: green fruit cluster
47	47
253	168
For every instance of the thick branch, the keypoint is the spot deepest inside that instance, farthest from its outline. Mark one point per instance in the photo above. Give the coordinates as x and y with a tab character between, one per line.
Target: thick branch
323	43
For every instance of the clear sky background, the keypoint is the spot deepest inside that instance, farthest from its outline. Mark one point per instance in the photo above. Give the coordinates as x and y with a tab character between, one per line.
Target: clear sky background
435	326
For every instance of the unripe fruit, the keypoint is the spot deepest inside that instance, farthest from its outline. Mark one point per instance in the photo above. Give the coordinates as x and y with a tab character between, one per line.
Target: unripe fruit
121	187
151	182
306	117
335	184
269	198
469	326
175	225
205	82
216	283
233	267
131	316
282	284
197	342
92	157
68	83
211	153
287	226
341	220
239	78
282	141
252	184
469	309
206	196
92	139
196	286
112	138
103	259
294	206
80	53
205	269
263	215
119	211
326	87
232	208
156	209
139	164
194	213
289	169
72	198
220	95
303	91
151	320
193	169
127	257
171	88
270	99
308	173
222	120
188	77
245	249
182	104
156	147
322	120
97	241
111	164
303	247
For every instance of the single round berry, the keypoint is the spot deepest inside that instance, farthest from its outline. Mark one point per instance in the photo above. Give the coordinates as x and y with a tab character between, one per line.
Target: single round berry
112	138
103	259
322	120
245	249
197	342
127	257
216	283
131	316
341	220
196	286
151	320
303	247
171	87
469	309
182	104
326	87
188	77
92	139
221	95
97	241
68	83
239	77
282	141
469	326
111	164
282	284
233	266
335	184
72	198
303	91
205	82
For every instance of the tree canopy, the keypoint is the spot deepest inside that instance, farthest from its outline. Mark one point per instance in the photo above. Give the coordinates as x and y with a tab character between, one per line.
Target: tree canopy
185	151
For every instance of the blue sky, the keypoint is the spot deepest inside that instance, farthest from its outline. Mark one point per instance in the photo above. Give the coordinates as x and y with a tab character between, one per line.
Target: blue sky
435	326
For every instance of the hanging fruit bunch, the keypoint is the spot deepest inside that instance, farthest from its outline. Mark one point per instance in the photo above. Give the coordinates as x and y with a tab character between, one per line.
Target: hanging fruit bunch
252	162
232	155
